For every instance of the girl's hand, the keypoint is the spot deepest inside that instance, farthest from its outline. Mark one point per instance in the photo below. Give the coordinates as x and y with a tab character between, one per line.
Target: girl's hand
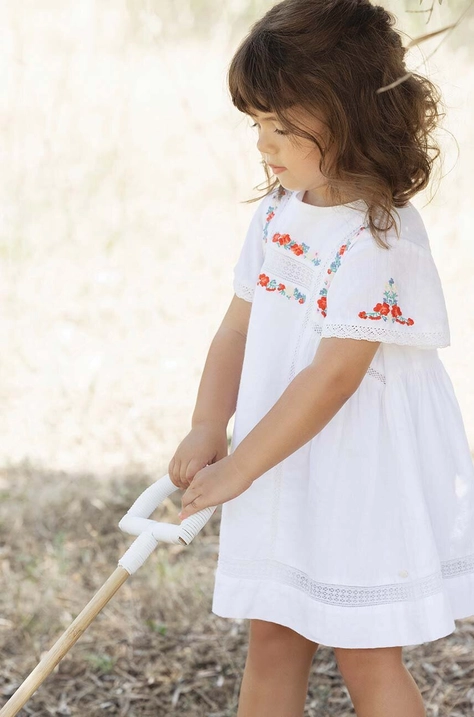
213	485
205	443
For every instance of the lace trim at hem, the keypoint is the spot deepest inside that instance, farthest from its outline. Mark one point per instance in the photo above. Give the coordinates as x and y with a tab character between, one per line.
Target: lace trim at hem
243	290
345	595
423	339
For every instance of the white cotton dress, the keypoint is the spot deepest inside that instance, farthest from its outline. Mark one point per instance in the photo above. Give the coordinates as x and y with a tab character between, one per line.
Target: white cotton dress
363	537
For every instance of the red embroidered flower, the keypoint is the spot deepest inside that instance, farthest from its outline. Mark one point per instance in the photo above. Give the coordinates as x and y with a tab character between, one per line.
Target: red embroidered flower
281	239
383	309
296	249
322	303
274	285
387	308
342	249
270	216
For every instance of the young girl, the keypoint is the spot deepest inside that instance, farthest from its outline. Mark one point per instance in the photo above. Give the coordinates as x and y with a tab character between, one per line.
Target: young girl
348	494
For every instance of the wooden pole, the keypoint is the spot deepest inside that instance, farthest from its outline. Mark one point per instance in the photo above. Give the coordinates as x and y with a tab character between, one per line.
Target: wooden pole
64	643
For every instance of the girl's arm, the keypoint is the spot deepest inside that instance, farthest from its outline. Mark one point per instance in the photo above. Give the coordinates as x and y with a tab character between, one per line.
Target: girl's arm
312	398
218	389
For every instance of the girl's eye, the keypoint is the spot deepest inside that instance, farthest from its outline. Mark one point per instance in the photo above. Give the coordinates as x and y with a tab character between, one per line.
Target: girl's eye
277	131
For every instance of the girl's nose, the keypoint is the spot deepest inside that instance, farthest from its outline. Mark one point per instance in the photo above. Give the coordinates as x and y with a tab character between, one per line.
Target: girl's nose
264	146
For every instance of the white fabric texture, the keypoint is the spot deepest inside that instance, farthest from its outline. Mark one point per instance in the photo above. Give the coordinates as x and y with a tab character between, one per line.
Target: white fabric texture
392	295
363	537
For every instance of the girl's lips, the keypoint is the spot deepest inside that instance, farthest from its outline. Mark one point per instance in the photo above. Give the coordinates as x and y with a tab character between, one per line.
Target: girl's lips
277	170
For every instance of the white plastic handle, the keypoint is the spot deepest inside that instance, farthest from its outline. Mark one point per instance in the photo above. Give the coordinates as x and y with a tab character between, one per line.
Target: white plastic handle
136	522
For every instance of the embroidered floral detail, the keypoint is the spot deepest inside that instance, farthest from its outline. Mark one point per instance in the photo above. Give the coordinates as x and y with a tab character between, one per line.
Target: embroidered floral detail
274	285
335	264
280	191
388	308
323	302
278	195
285	241
270	215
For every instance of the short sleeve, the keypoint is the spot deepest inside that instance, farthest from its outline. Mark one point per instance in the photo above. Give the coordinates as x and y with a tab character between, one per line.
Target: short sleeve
249	263
391	295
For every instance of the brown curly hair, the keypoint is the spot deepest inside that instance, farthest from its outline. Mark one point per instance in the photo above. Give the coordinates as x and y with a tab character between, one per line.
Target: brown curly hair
332	57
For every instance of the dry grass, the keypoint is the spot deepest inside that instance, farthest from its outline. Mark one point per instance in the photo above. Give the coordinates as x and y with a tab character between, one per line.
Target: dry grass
156	649
120	225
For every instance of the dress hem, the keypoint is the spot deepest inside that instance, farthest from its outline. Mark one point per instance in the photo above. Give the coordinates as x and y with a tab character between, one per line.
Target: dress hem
406	623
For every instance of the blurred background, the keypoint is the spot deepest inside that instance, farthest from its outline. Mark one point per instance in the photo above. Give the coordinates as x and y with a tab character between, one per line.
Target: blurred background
125	167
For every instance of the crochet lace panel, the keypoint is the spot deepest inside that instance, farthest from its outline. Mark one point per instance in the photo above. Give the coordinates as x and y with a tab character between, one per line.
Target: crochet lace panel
346	595
243	289
423	339
288	268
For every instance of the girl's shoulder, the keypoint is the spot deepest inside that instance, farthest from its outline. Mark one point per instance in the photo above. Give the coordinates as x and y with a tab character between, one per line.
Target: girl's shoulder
408	231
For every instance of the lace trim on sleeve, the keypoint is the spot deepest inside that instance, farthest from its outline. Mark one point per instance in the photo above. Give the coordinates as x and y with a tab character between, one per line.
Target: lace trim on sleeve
422	339
243	290
370	371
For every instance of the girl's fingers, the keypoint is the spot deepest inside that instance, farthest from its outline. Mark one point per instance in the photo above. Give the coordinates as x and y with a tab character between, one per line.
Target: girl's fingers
189	501
183	467
189	506
171	469
173	472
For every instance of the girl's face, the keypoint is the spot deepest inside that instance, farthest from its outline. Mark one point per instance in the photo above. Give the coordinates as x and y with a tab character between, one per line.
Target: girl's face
298	157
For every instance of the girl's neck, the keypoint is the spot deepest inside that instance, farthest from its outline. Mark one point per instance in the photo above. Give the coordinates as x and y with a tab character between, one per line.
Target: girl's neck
309	197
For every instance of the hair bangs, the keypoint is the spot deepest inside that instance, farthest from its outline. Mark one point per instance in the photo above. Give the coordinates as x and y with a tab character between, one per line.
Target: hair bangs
255	78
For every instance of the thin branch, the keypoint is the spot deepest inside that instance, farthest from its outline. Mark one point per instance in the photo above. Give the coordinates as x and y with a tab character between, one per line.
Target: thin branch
396	82
418	40
449	29
428	10
429	35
